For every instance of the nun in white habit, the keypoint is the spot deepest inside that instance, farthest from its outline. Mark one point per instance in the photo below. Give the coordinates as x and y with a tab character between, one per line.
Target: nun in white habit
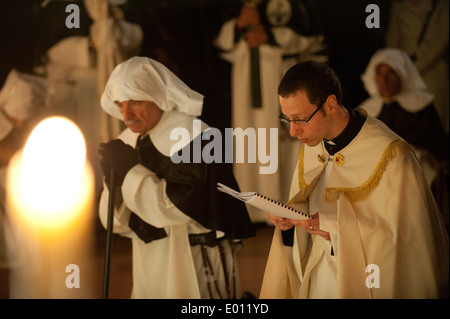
182	229
400	98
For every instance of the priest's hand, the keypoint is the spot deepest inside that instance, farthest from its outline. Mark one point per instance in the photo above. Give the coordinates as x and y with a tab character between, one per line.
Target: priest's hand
312	226
122	157
280	222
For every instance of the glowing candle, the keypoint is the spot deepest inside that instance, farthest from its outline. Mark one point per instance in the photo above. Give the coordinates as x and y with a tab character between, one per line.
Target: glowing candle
50	201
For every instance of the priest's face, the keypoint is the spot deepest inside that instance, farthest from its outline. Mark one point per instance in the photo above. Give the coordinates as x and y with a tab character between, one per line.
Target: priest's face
298	107
139	116
388	81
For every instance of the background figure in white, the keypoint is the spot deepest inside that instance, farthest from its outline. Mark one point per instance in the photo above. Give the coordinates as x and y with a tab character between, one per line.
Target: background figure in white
23	100
266	27
421	29
79	66
114	40
72	77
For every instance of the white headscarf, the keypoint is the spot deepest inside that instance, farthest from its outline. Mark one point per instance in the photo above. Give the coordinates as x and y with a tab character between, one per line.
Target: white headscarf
414	95
21	96
144	79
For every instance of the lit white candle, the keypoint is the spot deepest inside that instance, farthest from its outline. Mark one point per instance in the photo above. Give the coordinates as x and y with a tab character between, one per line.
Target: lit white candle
50	200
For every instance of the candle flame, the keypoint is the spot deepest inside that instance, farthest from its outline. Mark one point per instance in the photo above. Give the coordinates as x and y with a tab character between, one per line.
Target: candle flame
53	179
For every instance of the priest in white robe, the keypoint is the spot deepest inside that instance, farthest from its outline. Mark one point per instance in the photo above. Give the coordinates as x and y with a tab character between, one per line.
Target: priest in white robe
375	231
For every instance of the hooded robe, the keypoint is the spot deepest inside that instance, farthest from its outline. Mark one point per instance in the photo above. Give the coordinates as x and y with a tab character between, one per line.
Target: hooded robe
164	203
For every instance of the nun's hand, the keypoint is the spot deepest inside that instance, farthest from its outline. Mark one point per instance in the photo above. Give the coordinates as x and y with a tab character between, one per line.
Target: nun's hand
122	157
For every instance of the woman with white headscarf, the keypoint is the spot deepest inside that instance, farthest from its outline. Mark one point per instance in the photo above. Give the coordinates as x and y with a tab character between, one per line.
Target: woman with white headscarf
182	228
400	98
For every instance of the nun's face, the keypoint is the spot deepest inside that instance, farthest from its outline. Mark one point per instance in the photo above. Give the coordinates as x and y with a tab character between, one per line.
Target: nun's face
388	81
139	116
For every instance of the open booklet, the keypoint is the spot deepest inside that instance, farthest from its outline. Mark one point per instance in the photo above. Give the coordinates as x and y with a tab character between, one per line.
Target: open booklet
268	205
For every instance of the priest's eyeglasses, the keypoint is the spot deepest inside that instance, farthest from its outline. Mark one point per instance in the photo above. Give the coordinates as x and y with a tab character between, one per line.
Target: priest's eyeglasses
285	120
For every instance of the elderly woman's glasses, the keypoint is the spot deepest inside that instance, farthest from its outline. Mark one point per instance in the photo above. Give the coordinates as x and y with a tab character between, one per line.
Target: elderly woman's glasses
284	119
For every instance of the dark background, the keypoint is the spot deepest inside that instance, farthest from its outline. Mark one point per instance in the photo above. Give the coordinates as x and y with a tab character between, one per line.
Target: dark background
184	30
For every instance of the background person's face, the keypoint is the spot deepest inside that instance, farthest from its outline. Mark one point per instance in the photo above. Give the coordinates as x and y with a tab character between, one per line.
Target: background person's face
389	83
139	116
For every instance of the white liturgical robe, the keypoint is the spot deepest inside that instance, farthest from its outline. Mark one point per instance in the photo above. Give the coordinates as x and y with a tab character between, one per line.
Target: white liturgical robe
380	214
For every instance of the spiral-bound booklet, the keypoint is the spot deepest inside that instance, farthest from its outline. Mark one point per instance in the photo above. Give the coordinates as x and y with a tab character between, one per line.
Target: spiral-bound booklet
267	204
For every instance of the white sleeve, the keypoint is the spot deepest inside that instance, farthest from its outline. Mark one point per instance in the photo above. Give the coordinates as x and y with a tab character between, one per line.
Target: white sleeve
145	195
225	38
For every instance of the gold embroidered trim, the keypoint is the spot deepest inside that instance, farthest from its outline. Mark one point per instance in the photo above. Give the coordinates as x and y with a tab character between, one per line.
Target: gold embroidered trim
361	192
301	182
